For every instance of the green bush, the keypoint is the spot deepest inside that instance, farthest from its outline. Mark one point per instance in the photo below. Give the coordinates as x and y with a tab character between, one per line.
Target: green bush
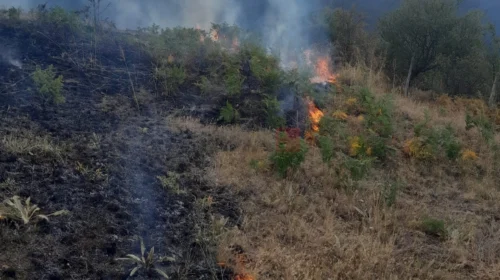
62	18
326	147
265	68
48	86
229	114
289	154
358	167
233	80
438	140
482	123
14	13
434	227
171	77
390	193
379	117
272	109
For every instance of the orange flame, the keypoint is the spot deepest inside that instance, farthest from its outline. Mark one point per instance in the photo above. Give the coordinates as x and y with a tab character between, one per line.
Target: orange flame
214	35
323	72
315	115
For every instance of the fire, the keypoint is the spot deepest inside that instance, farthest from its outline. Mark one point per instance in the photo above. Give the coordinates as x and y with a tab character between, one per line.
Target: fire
323	72
214	35
315	115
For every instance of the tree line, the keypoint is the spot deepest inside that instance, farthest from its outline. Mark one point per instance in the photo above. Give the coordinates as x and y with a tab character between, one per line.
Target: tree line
427	44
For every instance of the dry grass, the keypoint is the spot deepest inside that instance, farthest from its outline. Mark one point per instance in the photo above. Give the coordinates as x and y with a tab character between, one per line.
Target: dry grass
308	226
29	143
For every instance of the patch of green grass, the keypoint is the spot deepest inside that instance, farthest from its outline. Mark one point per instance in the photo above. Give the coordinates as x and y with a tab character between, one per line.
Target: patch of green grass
434	227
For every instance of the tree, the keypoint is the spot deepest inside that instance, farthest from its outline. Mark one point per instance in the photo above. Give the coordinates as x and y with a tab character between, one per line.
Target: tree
494	60
416	33
346	30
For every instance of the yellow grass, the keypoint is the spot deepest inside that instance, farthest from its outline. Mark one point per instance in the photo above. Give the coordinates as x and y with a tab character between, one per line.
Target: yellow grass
307	227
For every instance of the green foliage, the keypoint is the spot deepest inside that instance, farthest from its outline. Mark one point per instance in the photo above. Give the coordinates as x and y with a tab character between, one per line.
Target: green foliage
171	77
482	123
14	209
204	85
289	154
332	127
272	109
265	68
434	227
171	182
147	262
14	13
390	193
61	18
346	29
327	148
233	79
229	114
359	168
438	139
379	113
49	87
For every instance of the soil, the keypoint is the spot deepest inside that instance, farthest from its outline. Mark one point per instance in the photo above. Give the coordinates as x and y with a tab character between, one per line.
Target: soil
106	173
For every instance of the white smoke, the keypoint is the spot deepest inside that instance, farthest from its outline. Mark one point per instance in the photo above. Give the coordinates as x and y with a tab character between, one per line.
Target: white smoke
8	55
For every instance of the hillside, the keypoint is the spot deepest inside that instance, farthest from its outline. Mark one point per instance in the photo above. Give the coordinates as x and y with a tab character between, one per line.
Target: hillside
200	144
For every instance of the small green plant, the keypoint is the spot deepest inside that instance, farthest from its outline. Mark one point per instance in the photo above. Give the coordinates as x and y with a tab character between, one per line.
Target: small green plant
233	80
327	148
59	17
171	182
49	87
434	227
171	77
272	109
147	262
390	193
264	67
289	154
358	167
14	209
229	114
484	125
204	85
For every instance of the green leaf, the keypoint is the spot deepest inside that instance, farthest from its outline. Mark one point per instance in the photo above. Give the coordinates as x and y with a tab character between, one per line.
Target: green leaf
134	271
162	273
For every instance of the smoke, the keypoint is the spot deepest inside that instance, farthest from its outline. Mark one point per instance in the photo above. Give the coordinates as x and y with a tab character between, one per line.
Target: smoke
8	55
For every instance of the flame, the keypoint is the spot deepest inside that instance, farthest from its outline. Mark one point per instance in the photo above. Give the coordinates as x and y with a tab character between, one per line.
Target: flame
315	115
323	72
214	35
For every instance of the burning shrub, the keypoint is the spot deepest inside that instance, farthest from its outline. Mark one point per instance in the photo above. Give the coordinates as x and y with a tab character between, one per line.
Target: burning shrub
49	87
289	154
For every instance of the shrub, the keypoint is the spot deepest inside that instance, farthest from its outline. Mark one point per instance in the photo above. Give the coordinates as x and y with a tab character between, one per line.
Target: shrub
418	148
326	147
171	77
358	168
49	87
390	192
272	109
229	114
14	13
482	123
264	67
379	117
61	18
339	115
434	227
233	80
289	154
204	85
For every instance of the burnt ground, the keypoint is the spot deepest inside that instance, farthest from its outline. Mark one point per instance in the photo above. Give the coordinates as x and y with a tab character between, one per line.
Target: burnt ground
98	156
